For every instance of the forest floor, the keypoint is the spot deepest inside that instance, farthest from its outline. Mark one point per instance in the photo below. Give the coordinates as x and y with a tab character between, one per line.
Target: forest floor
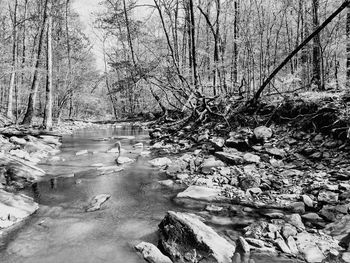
287	165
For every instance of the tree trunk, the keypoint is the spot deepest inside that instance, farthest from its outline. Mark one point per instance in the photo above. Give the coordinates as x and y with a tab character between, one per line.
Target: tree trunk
14	64
292	54
348	47
34	86
316	52
235	44
48	103
193	45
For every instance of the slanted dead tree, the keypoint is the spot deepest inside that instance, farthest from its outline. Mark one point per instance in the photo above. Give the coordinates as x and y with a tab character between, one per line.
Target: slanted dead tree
257	95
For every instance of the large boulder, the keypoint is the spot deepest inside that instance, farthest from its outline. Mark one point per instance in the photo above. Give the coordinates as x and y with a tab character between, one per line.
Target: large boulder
182	234
15	208
151	253
159	162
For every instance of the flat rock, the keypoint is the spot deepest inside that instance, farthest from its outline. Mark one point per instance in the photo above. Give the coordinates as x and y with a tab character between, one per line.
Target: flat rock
96	202
262	133
158	162
151	253
328	197
251	158
82	152
210	163
200	193
124	160
17	140
180	233
15	208
230	158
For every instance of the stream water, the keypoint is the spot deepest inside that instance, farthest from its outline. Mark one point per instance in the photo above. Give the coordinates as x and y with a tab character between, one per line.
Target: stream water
61	231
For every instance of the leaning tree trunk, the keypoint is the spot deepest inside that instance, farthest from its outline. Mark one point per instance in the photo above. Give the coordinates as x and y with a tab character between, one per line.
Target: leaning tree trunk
48	103
295	51
28	118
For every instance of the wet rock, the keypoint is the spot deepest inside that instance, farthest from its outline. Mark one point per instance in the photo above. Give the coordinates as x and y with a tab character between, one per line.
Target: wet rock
124	160
151	253
328	197
138	145
244	244
210	163
346	257
230	158
96	202
180	233
54	140
214	208
82	152
15	208
251	158
182	177
145	153
201	193
262	133
158	162
167	183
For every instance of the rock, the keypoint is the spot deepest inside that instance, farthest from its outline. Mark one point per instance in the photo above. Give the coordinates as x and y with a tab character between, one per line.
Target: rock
255	242
346	257
218	142
249	182
51	139
240	144
262	133
158	162
14	208
288	230
17	140
292	245
82	152
96	202
110	169
230	158
313	217
180	233
167	183
308	248
214	208
307	201
276	152
182	177
138	145
201	193
295	220
251	158
145	153
244	244
298	207
114	150
327	197
124	160
151	253
210	163
282	245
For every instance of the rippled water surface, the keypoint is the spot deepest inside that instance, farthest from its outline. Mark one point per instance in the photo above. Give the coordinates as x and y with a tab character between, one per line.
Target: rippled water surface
62	232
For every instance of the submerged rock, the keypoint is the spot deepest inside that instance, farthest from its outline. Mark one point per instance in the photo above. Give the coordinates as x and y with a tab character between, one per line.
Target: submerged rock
181	233
82	152
158	162
15	208
124	160
151	253
96	202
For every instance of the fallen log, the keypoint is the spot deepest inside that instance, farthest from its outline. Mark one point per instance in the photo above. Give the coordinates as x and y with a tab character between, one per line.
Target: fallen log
9	132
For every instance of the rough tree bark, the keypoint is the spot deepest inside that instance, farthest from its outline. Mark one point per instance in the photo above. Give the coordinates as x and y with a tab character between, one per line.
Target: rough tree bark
48	102
348	47
34	86
235	43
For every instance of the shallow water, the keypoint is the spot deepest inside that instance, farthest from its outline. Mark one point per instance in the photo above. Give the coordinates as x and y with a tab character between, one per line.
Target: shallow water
61	231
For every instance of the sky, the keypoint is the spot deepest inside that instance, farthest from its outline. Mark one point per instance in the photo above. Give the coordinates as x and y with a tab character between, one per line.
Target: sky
85	9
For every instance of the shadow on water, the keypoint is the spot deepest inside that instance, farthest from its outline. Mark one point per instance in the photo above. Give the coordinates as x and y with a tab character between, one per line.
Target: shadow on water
61	231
